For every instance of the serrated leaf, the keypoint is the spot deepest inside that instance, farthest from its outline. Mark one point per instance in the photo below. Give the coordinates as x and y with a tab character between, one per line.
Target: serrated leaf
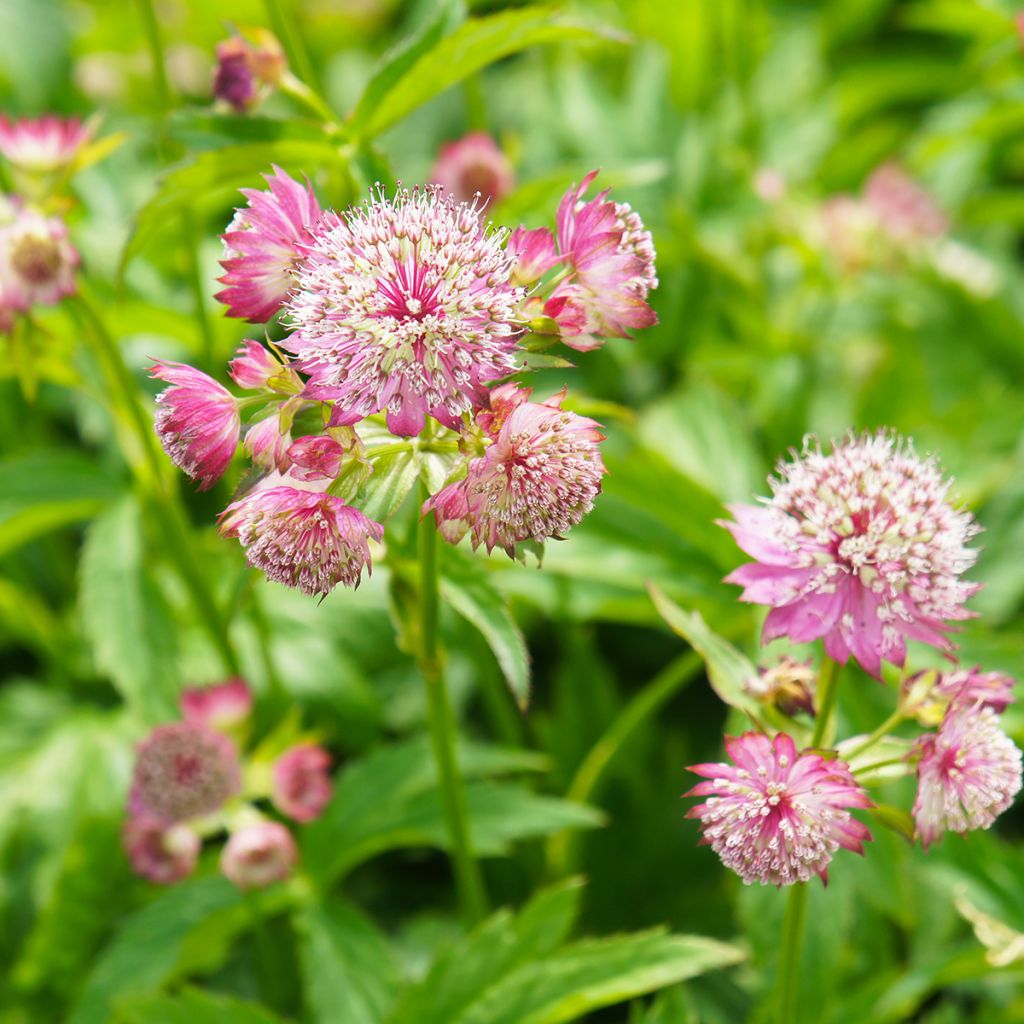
349	971
192	1006
125	617
394	475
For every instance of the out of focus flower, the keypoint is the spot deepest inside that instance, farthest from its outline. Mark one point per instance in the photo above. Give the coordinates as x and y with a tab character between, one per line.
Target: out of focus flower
850	231
926	695
183	770
197	422
535	254
965	267
258	855
788	685
474	166
43	145
860	547
537	479
404	306
223	706
302	782
968	773
263	244
905	211
769	184
776	816
246	71
162	853
302	538
37	260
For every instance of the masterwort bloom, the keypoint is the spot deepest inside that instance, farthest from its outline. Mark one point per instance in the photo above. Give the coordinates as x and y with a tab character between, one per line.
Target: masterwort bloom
537	479
43	145
183	770
968	773
905	211
223	706
37	260
246	70
259	854
926	695
775	816
302	538
474	166
404	305
197	422
162	853
302	782
860	547
263	244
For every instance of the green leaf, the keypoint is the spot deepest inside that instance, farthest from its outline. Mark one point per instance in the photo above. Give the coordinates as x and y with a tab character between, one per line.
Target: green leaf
125	616
192	1006
479	42
204	129
477	601
349	971
46	490
394	475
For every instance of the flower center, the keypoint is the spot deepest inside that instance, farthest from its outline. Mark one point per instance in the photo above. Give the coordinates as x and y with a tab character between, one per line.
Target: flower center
36	258
407	293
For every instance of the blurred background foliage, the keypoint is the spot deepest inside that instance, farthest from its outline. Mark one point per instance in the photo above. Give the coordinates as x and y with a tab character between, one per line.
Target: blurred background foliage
727	124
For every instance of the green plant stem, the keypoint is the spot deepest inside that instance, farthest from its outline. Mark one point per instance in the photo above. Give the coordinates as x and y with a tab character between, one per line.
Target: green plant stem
468	878
883	730
151	26
669	681
282	21
195	282
827	691
875	765
308	98
789	953
161	500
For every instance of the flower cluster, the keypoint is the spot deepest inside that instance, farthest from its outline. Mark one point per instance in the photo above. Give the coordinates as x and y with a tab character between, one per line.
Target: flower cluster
860	548
189	782
403	316
248	67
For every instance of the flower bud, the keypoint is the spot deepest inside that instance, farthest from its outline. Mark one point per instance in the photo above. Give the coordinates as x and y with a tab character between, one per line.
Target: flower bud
163	854
302	783
258	855
222	707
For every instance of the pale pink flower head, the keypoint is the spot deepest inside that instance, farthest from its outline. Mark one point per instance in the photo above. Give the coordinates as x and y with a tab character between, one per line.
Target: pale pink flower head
43	145
197	422
537	479
860	547
474	166
535	254
776	816
37	260
302	538
223	706
404	306
905	211
258	855
315	458
769	185
183	770
161	853
263	245
968	773
302	782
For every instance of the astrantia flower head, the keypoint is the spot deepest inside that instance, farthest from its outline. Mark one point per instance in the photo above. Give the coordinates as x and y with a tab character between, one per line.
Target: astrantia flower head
162	853
263	244
905	211
302	538
926	695
474	166
968	773
197	422
43	145
246	70
538	478
789	685
404	305
223	706
183	770
775	816
859	546
37	259
302	782
259	854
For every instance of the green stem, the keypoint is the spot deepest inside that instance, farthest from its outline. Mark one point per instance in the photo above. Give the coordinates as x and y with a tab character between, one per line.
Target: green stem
669	681
789	953
308	98
195	281
151	25
282	21
468	878
883	730
875	765
827	691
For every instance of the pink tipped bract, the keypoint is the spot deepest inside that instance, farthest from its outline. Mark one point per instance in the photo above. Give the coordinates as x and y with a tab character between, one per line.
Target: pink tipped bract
776	816
302	782
222	706
42	145
860	547
258	855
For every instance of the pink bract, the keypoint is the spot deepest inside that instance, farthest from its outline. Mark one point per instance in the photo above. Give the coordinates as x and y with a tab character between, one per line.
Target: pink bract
968	773
302	538
158	852
37	260
537	479
315	458
254	366
266	445
45	144
776	816
221	707
535	254
474	166
263	245
197	422
404	306
860	547
302	782
259	854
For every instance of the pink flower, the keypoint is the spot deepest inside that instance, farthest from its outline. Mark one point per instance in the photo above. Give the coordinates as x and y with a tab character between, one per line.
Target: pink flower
37	260
267	444
262	246
474	166
968	773
245	71
905	211
315	458
537	479
535	254
405	306
220	707
197	422
302	782
777	817
43	145
183	770
926	695
163	854
301	538
612	259
860	547
258	855
255	368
